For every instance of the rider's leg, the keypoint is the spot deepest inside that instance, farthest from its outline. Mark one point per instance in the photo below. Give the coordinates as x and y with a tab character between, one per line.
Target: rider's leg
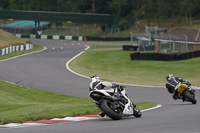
170	90
175	95
101	113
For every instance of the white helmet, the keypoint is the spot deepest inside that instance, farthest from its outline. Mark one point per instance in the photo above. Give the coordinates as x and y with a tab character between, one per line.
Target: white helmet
95	78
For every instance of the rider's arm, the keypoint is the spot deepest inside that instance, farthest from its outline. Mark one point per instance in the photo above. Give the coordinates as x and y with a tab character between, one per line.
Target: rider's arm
112	86
179	79
107	84
182	80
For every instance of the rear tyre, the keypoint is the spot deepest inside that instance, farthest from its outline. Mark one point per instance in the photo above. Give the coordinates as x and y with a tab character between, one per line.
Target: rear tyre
115	114
190	97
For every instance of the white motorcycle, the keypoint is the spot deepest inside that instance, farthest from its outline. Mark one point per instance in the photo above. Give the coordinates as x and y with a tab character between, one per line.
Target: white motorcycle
115	107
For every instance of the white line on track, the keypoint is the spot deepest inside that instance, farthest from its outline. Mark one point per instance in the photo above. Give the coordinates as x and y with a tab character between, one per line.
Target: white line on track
67	64
158	106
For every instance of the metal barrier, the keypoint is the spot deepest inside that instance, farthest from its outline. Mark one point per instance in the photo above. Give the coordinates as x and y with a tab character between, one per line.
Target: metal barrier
11	49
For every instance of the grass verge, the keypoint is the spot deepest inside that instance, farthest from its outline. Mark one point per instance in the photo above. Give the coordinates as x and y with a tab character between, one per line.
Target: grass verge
116	66
19	104
8	39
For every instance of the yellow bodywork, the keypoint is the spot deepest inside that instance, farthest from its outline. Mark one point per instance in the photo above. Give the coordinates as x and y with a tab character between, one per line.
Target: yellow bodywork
181	88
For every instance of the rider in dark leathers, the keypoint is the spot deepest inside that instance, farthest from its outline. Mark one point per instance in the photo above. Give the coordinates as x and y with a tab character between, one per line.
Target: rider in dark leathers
173	83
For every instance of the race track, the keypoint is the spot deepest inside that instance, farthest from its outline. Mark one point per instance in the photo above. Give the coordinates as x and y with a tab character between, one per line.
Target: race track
47	71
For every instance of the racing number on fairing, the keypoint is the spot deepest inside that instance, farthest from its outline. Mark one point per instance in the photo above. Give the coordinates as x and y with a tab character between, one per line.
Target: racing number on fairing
129	107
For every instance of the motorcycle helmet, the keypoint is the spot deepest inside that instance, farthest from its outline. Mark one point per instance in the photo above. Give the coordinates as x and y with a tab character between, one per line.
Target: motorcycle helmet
95	78
169	76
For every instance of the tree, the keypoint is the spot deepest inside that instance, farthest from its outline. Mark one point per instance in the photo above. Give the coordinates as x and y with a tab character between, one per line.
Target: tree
102	6
4	4
137	10
149	10
188	6
134	8
116	6
93	6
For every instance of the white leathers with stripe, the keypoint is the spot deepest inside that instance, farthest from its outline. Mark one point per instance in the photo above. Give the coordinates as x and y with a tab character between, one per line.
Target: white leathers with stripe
107	86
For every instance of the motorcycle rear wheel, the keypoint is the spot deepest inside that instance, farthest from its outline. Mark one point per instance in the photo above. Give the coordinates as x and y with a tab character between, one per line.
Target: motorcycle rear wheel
115	114
190	97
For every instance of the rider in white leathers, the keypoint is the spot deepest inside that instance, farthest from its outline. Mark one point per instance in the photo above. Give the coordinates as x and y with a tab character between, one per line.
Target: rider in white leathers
98	84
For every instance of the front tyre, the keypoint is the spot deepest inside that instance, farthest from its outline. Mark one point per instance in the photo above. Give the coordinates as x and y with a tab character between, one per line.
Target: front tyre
136	112
190	97
113	113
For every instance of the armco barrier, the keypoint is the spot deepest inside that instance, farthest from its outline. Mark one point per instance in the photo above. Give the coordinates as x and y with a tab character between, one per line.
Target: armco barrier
11	49
79	38
164	57
56	37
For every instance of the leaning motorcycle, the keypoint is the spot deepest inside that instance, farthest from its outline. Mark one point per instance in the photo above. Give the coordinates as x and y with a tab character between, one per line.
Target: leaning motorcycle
186	93
114	107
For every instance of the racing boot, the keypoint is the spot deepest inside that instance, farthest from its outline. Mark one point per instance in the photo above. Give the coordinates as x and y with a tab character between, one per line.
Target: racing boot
175	95
101	113
183	99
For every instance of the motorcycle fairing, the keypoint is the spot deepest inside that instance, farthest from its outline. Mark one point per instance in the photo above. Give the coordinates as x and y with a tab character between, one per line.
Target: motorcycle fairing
181	88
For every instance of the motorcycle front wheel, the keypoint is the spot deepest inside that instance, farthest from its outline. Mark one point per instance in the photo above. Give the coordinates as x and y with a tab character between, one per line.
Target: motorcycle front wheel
137	113
190	97
113	113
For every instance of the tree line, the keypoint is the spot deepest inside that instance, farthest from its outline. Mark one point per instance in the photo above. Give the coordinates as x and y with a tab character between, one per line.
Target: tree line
136	9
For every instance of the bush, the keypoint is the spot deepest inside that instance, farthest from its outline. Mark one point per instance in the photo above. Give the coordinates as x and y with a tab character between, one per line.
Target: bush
123	24
103	27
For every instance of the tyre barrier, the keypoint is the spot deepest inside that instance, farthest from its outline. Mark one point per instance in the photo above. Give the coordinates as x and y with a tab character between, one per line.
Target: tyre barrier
129	48
11	49
164	57
89	38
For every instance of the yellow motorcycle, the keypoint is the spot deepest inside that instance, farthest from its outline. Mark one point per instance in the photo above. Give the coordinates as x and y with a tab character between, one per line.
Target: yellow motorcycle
186	93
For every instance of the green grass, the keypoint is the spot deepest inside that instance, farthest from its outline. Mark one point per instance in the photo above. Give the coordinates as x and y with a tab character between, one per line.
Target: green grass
36	48
8	39
20	104
116	66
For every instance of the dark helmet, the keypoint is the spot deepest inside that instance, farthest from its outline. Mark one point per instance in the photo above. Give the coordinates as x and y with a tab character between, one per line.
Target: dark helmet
169	76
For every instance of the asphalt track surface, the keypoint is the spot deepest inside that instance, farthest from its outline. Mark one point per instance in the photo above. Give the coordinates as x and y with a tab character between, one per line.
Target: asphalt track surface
47	71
